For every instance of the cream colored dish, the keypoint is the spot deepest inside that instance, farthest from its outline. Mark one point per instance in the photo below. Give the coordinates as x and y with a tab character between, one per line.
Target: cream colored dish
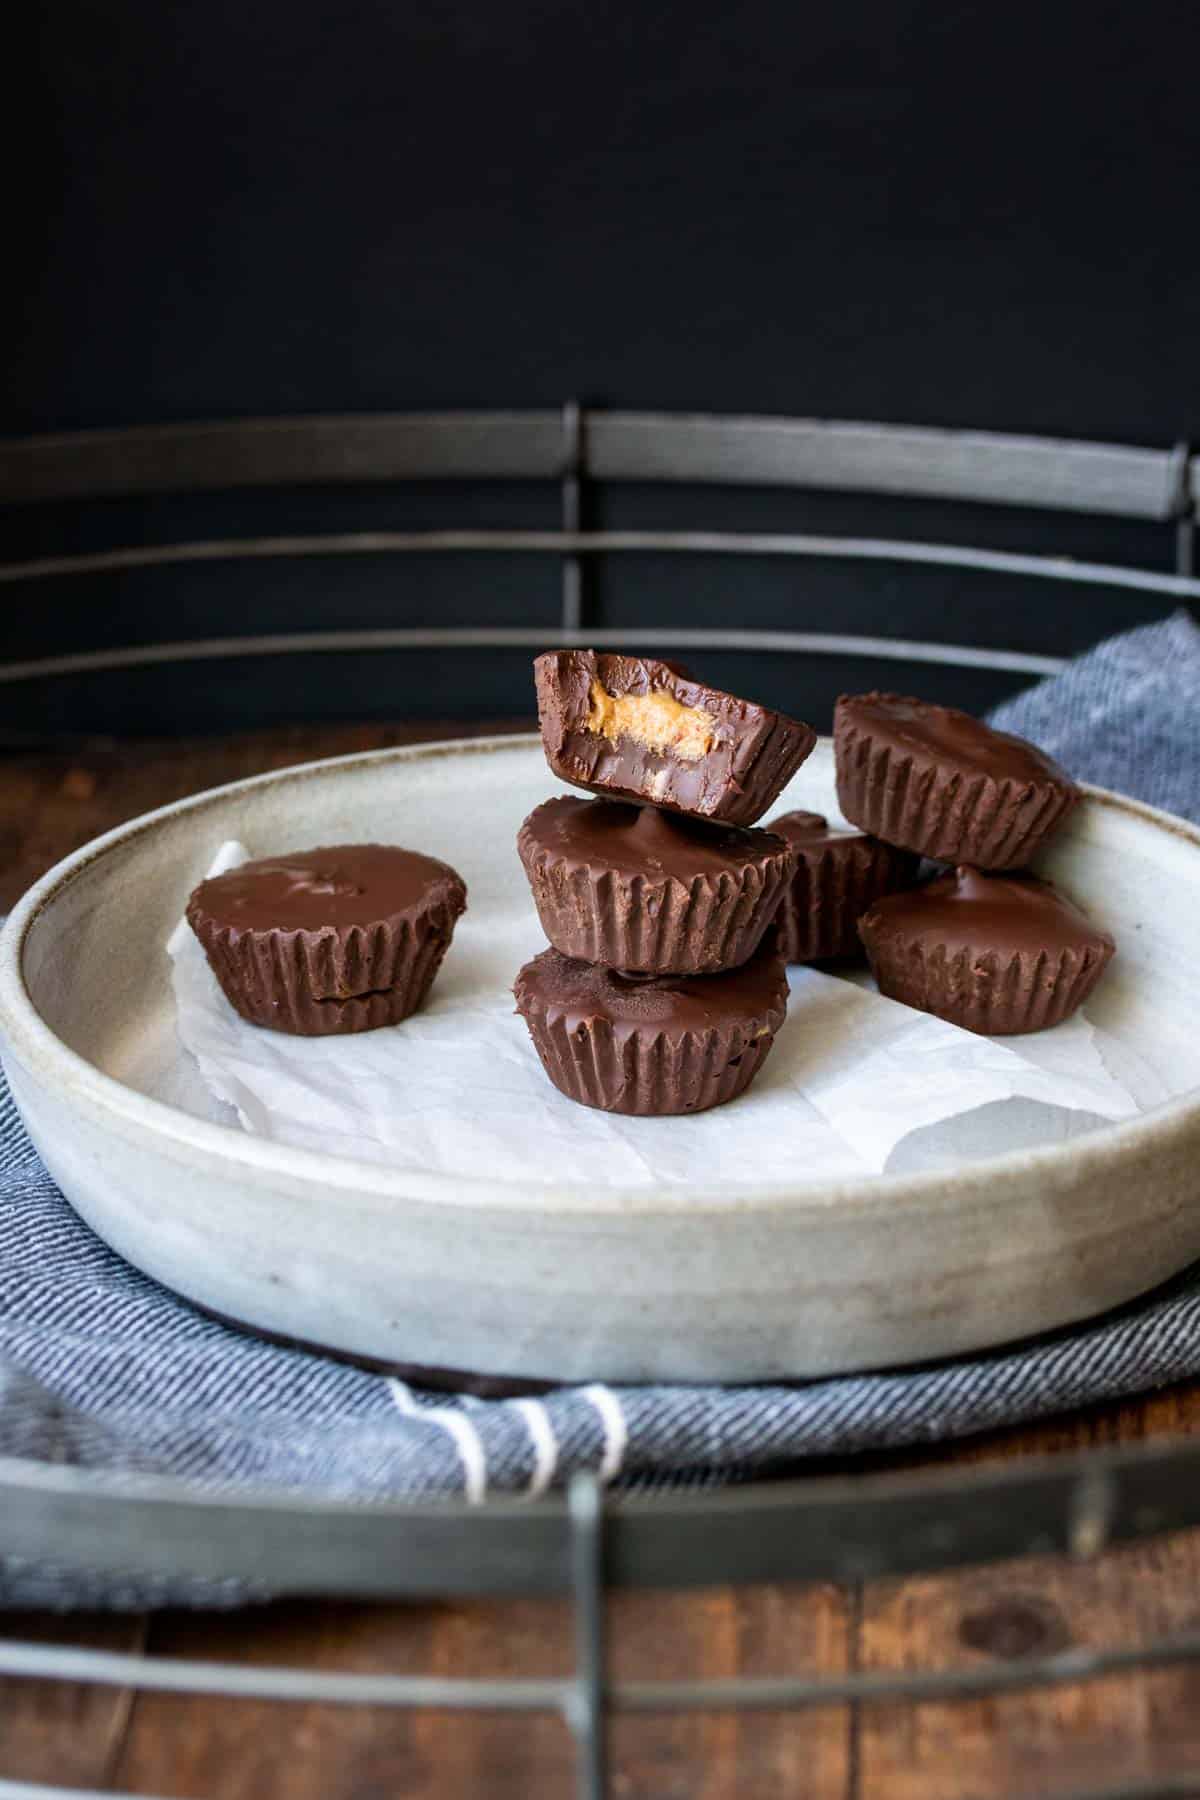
579	1280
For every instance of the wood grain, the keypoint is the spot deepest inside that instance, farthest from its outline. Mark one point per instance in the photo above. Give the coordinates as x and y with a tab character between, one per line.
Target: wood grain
1098	1734
248	1750
752	1631
52	802
1023	1744
186	1747
56	1730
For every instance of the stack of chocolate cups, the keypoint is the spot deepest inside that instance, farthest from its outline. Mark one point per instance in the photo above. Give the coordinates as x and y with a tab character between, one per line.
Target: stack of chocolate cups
665	981
987	945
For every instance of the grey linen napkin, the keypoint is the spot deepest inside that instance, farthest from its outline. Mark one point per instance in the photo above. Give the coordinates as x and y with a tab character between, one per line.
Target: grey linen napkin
102	1368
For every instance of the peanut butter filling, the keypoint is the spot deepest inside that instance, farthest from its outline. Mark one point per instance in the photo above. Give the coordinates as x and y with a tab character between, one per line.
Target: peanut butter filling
657	720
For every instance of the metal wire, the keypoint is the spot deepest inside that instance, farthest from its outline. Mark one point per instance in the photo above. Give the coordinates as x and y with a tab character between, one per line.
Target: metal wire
583	1698
113	1668
705	543
1158	1787
586	1704
1162	1787
521	637
36	1790
572	517
1183	509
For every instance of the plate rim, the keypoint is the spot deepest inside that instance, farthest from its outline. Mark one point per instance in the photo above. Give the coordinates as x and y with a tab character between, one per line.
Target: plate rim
49	1060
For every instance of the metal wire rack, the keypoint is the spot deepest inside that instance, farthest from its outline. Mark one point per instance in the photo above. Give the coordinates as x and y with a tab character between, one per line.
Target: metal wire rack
836	1529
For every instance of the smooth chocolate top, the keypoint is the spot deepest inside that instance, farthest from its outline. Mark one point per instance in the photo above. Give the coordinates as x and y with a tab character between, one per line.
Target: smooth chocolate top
969	910
807	829
585	994
641	840
947	735
336	886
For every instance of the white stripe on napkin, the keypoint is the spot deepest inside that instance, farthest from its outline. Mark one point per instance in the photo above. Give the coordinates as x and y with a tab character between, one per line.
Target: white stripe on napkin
467	1440
545	1445
616	1431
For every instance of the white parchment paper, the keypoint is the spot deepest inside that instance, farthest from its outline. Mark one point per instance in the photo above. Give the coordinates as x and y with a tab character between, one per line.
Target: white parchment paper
854	1083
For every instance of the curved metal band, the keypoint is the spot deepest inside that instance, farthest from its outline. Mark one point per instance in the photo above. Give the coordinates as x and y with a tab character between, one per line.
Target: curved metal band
994	468
835	1528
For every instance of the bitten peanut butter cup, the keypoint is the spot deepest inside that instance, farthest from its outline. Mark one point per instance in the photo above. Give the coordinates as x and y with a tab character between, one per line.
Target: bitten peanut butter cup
838	875
656	1045
996	954
943	784
650	892
635	728
339	939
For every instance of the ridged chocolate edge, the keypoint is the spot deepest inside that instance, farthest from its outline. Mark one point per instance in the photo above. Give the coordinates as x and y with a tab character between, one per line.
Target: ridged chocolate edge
655	1079
748	795
650	1073
938	813
773	761
289	980
985	992
703	927
833	886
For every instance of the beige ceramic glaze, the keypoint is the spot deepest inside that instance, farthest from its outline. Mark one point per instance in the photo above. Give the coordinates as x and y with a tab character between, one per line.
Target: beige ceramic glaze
583	1280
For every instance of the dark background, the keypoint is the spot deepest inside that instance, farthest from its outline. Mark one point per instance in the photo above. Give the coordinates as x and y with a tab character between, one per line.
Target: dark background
959	215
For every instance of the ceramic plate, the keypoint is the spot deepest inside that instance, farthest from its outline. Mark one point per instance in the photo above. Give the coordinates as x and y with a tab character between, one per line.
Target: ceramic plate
579	1279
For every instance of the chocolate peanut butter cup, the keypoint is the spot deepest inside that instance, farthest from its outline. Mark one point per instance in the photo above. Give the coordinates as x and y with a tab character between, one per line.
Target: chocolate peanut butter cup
636	728
838	875
657	1045
650	892
939	782
339	939
997	954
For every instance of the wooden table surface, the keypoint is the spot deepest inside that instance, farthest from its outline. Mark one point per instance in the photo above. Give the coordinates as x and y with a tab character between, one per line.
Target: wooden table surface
1096	1736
